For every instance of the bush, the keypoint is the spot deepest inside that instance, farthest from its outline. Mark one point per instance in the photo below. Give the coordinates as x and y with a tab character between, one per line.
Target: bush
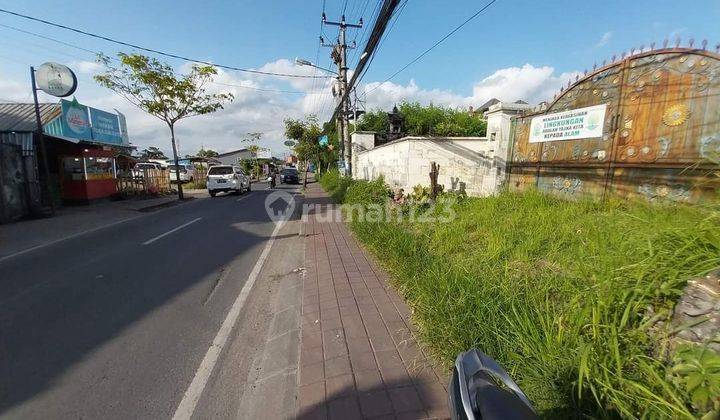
335	184
558	292
367	192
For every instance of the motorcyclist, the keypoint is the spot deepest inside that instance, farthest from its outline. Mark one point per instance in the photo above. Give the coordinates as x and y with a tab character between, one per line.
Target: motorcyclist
271	178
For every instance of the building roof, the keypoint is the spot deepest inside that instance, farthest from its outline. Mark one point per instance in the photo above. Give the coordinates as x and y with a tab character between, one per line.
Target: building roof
484	107
232	152
21	117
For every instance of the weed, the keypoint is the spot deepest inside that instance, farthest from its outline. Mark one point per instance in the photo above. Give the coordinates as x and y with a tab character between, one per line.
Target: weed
556	291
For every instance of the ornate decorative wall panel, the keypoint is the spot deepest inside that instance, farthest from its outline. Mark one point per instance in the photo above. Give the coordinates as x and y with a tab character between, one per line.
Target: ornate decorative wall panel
662	119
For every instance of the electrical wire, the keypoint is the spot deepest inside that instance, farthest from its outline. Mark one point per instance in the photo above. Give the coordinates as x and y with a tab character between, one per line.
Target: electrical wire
448	35
154	51
382	41
363	39
96	53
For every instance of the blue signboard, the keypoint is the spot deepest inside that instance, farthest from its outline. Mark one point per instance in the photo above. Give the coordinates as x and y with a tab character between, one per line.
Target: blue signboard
323	140
75	121
105	127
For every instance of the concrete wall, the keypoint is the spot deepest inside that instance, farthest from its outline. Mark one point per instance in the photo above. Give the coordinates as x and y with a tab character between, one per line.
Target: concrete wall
405	163
499	128
478	162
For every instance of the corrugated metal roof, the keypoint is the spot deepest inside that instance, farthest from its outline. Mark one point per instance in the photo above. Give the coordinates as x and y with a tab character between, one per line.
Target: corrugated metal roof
232	153
21	117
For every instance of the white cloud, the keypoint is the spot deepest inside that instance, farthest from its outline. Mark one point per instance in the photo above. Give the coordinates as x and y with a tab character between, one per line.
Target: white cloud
11	90
86	67
529	83
256	110
604	39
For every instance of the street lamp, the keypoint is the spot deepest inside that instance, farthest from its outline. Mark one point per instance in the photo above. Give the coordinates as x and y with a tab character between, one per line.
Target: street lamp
303	62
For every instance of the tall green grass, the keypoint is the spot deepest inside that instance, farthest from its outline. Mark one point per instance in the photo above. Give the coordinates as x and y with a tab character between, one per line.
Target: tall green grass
558	292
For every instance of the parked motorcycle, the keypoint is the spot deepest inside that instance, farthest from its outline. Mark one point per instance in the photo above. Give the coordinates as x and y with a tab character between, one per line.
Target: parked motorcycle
481	389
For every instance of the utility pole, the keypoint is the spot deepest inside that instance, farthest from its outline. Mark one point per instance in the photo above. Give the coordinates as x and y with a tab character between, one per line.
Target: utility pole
41	138
386	12
339	56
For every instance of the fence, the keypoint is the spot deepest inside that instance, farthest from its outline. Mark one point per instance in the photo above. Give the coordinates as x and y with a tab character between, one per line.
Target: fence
660	135
147	181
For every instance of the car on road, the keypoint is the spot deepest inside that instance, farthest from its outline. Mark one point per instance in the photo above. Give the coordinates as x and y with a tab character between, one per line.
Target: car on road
227	178
186	170
289	176
140	168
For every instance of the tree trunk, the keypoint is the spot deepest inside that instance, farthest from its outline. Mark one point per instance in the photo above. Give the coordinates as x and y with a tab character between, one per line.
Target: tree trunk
177	162
434	171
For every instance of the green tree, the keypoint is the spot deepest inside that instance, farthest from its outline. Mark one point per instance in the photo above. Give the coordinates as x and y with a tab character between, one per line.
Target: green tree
253	139
154	87
375	120
306	135
152	152
206	153
428	120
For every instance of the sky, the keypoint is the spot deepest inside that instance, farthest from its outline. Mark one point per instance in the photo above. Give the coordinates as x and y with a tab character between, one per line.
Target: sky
516	49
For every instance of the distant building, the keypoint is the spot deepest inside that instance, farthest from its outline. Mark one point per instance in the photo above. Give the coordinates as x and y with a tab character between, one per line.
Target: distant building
234	157
482	109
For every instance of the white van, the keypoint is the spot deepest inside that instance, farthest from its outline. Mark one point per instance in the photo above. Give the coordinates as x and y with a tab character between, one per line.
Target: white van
227	178
186	172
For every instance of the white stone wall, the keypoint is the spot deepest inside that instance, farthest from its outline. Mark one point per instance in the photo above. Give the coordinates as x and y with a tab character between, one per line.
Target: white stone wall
499	127
406	162
478	162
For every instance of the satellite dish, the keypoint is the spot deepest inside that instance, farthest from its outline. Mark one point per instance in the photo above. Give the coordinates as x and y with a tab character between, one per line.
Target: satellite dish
289	143
56	80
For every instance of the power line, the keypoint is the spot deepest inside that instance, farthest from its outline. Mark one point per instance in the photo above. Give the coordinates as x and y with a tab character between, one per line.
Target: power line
379	27
313	100
376	9
398	13
382	41
48	38
154	51
449	34
115	59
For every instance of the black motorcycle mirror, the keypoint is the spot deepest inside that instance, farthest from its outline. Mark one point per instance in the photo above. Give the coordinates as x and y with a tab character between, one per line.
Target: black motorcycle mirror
481	389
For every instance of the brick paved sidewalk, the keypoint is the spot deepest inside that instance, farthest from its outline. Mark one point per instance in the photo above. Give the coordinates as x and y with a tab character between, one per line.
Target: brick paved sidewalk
358	356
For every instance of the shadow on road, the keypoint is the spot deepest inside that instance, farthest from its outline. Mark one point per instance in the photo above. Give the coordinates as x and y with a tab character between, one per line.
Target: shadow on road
67	301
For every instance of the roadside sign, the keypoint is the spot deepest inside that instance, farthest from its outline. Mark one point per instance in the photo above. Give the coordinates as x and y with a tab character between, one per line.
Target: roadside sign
323	140
289	143
56	80
263	153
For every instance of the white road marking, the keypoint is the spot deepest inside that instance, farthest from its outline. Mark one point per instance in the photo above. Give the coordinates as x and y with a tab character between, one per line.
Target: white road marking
75	235
148	242
187	406
244	196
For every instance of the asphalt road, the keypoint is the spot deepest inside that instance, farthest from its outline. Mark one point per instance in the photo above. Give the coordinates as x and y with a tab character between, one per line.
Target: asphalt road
114	323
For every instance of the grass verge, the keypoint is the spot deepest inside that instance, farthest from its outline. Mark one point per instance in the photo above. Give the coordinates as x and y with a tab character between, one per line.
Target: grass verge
558	292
